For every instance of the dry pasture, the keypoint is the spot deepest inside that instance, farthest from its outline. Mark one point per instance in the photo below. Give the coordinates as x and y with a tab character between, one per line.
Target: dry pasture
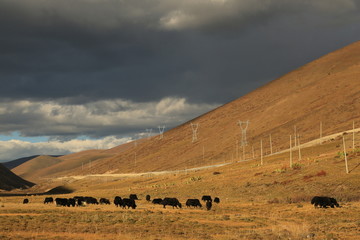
270	201
228	220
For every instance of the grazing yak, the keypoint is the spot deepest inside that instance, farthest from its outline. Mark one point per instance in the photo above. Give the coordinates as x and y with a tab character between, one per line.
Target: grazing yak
65	202
193	203
71	202
172	202
133	196
147	198
91	200
324	202
104	201
206	198
25	201
48	200
118	201
61	202
127	202
80	201
216	200
208	205
157	201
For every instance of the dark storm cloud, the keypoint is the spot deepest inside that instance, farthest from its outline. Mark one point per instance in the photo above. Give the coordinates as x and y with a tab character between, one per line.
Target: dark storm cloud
207	50
94	119
112	67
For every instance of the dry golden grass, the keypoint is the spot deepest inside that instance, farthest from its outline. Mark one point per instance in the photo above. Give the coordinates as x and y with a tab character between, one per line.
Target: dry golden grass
228	220
257	202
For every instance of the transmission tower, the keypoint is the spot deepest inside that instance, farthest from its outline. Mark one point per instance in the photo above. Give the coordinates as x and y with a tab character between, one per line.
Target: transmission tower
194	127
243	126
148	131
161	131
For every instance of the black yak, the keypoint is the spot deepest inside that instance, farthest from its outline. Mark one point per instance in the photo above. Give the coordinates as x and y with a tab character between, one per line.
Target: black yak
324	202
193	203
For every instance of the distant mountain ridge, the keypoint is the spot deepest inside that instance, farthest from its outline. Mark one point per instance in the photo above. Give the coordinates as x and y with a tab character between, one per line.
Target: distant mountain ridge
14	163
10	181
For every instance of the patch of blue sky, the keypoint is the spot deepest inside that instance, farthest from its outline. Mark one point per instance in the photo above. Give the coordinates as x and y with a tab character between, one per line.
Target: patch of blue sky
17	136
83	137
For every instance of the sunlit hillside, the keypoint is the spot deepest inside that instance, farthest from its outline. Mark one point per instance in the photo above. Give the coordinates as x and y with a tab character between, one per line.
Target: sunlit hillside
320	98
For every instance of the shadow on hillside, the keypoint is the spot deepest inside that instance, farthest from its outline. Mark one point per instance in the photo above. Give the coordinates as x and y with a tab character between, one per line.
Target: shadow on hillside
54	191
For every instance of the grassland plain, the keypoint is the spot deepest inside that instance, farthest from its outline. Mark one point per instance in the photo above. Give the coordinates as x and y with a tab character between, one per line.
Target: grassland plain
230	220
269	201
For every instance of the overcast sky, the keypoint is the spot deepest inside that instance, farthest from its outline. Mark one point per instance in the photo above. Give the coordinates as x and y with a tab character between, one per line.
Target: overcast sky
80	74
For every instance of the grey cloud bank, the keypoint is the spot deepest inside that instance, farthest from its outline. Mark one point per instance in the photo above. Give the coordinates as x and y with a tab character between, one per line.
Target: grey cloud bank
106	123
12	149
116	67
95	119
146	50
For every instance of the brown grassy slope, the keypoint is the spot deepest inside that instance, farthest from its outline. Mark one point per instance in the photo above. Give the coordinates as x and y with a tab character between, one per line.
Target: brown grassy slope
320	172
27	169
43	166
327	90
9	180
14	163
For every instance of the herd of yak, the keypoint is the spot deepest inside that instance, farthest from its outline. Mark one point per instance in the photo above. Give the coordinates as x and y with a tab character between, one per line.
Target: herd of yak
129	202
321	202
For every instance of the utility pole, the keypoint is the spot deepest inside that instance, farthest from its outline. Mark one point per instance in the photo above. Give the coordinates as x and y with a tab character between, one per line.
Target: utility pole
194	127
148	131
261	152
237	150
243	125
353	135
203	153
271	150
161	131
290	153
346	163
299	147
243	153
320	132
295	134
